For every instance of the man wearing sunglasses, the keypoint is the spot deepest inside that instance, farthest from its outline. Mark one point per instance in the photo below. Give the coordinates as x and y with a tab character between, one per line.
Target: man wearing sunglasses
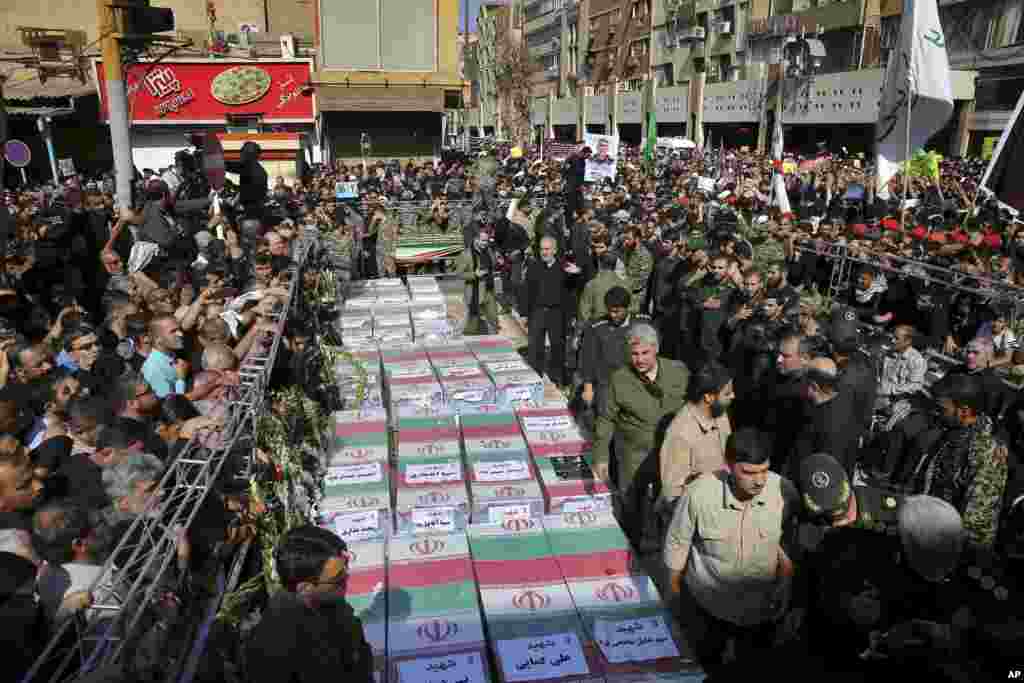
309	632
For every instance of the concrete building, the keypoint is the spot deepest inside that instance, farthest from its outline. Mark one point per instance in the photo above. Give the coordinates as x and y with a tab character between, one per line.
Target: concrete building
985	36
389	69
74	109
497	23
725	69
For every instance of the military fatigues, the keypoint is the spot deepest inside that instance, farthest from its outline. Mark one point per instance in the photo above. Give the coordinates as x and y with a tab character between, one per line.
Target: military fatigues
631	412
605	350
466	267
592	306
877	511
638	264
387	244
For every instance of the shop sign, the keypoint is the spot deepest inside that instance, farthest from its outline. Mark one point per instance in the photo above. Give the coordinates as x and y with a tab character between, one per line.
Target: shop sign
207	92
782	25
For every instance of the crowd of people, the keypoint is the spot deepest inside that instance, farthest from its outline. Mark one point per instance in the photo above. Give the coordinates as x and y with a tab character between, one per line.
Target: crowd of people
825	457
122	333
838	365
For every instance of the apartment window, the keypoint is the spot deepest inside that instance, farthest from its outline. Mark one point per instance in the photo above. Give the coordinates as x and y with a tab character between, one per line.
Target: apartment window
641	9
665	73
639	48
397	35
725	19
724	68
616	17
1005	26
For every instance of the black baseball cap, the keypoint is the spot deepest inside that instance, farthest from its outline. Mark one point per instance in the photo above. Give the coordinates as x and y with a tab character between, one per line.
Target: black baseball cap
823	484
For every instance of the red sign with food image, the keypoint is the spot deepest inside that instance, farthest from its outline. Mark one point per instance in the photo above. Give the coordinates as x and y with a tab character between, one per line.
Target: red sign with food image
207	92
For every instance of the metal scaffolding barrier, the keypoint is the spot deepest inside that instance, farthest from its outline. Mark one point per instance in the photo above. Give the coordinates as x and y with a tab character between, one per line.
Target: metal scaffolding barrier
131	580
843	263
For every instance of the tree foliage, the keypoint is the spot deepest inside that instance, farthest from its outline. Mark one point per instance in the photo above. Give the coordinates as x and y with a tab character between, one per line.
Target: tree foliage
514	71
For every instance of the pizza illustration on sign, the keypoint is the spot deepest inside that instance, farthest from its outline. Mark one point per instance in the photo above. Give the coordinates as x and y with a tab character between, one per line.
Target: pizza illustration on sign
240	85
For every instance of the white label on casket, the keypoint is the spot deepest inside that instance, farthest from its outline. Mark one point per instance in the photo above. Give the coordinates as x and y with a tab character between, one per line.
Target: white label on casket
352	323
343	475
358	526
519	393
469	396
456	668
432	520
460	371
505	470
433	473
635	640
547	422
542	657
500	514
580	505
506	366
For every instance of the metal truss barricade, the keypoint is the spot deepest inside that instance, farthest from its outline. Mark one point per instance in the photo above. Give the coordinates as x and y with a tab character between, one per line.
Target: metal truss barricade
843	263
133	579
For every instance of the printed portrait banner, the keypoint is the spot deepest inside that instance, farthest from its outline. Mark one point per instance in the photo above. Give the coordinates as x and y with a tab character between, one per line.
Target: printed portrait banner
603	159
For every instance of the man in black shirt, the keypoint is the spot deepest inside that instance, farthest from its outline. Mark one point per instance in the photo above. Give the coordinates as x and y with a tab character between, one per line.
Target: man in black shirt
252	179
309	632
547	284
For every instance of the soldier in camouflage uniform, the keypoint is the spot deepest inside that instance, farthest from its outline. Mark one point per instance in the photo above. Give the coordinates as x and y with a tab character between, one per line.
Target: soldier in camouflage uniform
638	262
384	228
966	466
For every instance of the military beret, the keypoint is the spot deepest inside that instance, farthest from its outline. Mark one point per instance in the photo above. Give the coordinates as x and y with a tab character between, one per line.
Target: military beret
823	484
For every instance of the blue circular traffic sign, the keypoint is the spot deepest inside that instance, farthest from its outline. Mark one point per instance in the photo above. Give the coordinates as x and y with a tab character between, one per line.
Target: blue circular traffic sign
17	153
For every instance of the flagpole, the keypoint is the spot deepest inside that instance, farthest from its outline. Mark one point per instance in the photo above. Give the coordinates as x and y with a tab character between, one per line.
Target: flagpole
906	156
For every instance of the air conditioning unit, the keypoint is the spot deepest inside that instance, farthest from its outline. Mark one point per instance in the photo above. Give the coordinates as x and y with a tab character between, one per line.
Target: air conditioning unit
693	33
725	27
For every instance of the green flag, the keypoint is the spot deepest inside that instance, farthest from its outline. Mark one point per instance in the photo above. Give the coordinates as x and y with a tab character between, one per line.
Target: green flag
652	136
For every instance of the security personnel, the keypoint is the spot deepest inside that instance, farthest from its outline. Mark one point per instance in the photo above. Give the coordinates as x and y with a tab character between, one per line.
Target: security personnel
592	302
604	345
858	377
830	502
641	394
868	594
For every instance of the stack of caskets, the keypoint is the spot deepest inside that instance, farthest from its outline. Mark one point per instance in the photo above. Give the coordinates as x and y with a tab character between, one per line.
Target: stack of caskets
428	311
561	453
435	630
482	547
430	480
387	314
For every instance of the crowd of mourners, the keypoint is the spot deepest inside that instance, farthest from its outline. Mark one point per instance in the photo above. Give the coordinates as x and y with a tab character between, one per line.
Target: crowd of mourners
826	459
122	333
808	406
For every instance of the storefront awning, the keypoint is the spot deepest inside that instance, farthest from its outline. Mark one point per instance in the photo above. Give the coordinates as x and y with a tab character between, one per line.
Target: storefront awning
398	98
23	84
49	112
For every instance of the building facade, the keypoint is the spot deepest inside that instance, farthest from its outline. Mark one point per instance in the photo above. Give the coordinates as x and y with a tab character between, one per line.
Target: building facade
986	36
387	70
725	69
250	32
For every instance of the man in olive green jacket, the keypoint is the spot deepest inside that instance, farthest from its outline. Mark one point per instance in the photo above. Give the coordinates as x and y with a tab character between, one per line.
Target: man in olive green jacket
640	394
592	306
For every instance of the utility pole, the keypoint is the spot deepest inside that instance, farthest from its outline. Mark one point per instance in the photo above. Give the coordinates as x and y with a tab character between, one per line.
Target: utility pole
117	102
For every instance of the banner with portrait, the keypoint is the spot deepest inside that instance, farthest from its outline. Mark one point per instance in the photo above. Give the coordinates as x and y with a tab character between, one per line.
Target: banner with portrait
603	159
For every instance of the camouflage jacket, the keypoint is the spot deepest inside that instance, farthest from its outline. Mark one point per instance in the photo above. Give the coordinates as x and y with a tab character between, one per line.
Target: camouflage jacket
638	264
387	243
968	469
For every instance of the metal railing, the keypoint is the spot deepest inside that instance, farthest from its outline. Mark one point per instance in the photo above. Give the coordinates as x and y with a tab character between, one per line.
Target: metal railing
843	263
132	580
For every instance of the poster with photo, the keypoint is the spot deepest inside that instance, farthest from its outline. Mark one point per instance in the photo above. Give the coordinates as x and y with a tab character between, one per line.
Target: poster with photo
603	158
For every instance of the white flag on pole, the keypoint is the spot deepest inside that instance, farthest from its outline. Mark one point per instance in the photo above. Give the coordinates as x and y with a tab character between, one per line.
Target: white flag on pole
919	70
781	196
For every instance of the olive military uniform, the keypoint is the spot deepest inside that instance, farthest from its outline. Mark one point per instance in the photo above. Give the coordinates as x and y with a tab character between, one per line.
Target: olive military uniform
633	408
